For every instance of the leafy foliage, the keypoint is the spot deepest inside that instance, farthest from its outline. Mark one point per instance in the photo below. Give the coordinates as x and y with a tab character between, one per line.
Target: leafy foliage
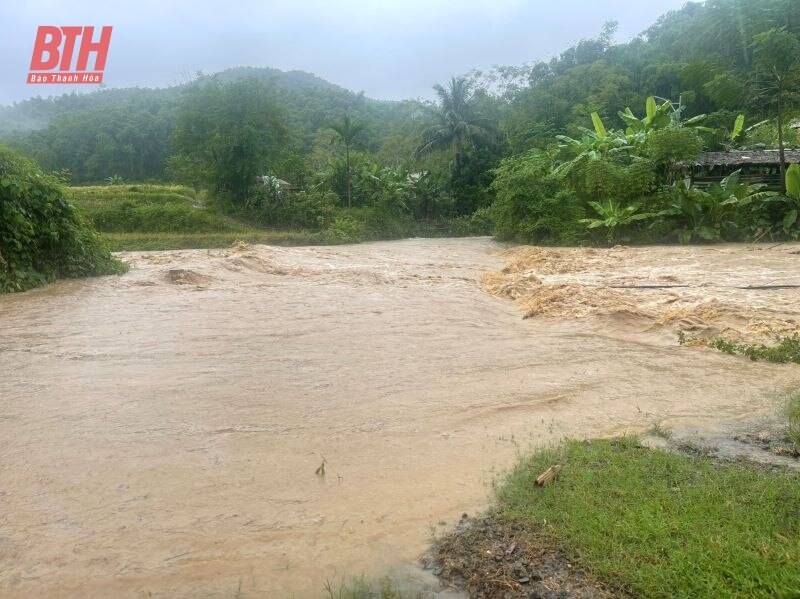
531	204
348	131
457	123
42	236
785	350
707	215
613	217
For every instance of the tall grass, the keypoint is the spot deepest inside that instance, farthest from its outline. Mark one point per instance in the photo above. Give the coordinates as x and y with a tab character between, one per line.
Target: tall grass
146	209
119	242
162	217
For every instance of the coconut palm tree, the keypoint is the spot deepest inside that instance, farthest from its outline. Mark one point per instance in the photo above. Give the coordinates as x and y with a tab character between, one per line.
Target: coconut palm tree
347	130
456	123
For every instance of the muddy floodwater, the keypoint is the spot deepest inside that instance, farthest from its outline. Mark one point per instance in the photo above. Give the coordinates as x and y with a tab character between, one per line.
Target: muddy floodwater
160	431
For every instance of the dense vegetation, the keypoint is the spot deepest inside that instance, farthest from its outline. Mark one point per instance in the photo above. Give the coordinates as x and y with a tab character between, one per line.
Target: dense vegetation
584	148
159	217
42	236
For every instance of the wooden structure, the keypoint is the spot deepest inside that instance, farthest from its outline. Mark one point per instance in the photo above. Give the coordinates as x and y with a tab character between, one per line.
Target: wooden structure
757	166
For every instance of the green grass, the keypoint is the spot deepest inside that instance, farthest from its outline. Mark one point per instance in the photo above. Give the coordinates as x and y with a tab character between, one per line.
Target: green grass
119	242
362	587
103	195
660	524
165	217
150	209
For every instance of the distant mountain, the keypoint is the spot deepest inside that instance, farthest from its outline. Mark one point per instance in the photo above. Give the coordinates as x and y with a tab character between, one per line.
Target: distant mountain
126	131
37	113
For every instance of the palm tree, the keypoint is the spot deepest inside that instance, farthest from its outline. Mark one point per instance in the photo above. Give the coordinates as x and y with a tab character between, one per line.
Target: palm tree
347	130
456	123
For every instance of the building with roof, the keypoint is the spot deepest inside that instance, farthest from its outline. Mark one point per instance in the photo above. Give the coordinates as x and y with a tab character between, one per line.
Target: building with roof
757	166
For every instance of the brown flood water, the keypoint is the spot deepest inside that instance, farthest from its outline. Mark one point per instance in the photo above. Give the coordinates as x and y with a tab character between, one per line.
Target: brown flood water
159	432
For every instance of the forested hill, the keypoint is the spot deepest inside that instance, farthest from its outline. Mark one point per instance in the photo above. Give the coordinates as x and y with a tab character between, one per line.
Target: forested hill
126	131
702	55
37	112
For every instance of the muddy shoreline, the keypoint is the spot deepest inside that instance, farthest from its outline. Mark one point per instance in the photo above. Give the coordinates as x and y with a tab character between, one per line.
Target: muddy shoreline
489	557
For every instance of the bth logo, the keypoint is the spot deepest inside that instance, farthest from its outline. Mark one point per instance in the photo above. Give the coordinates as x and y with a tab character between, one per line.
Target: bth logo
54	50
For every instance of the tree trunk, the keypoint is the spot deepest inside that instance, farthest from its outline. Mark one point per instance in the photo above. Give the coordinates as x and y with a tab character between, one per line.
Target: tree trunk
781	152
347	160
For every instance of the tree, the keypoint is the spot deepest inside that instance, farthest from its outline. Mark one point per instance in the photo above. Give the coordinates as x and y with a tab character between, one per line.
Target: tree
347	131
456	122
777	58
230	132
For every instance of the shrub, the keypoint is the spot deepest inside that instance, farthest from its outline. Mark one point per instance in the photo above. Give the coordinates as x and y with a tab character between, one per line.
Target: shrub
784	351
344	229
42	236
305	210
673	145
532	206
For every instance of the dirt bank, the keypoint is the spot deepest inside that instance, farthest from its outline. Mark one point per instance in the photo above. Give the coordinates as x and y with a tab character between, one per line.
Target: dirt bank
160	432
492	558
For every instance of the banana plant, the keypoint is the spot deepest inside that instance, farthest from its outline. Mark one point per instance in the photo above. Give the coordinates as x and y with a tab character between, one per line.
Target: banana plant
705	213
613	217
593	145
734	134
791	201
657	116
738	127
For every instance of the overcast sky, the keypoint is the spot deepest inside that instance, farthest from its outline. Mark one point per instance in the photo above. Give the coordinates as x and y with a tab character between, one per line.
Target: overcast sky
389	49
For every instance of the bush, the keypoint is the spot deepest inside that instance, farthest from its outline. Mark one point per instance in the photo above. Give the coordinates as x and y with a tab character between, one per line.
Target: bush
305	210
344	229
381	223
532	206
42	236
673	145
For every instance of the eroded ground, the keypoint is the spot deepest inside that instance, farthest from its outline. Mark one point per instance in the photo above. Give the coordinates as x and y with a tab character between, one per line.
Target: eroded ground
160	432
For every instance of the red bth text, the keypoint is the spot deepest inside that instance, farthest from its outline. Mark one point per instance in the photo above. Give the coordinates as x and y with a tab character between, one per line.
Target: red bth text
54	49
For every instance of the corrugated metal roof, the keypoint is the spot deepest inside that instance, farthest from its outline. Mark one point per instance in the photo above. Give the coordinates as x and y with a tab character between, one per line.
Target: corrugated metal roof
744	157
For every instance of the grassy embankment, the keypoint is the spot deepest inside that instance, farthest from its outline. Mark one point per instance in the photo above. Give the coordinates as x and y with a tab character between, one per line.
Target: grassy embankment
163	217
642	522
661	524
160	217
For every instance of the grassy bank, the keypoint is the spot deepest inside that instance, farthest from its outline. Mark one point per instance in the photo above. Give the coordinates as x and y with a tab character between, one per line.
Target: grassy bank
166	217
151	209
659	524
119	242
